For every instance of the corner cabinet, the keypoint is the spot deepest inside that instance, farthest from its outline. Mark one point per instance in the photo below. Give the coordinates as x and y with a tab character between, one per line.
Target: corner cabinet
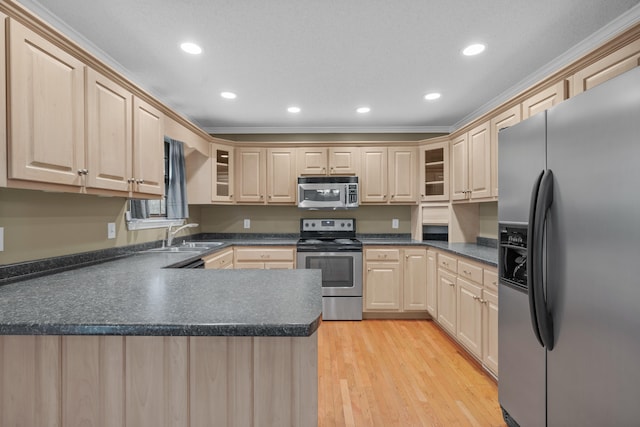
434	172
46	114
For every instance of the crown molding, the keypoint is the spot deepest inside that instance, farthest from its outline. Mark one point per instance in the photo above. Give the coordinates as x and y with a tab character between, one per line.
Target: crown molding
614	28
222	130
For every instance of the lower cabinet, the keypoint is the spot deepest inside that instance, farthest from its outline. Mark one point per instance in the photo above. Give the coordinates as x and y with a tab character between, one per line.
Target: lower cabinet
432	284
395	279
467	306
265	258
219	260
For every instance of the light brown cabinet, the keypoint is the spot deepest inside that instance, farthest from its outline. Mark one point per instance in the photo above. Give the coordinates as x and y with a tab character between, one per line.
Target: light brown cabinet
3	105
222	178
328	160
388	175
395	279
447	310
148	148
545	99
432	284
606	68
503	120
270	172
264	258
434	172
46	110
222	260
471	164
469	315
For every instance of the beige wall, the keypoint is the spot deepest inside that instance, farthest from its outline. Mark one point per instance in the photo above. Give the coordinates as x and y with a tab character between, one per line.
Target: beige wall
41	225
286	219
489	220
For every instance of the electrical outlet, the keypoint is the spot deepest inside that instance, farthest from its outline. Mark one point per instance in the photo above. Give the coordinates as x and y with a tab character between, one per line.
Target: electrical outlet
247	223
395	223
1	239
111	230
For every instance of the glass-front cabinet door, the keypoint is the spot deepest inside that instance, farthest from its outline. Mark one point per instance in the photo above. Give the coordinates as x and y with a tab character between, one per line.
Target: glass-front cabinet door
222	173
434	172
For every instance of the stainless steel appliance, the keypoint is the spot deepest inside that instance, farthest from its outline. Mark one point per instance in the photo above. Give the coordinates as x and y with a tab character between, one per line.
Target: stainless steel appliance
569	326
330	245
328	192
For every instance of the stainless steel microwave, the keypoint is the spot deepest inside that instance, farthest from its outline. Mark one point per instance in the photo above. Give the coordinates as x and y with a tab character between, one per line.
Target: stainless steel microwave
328	192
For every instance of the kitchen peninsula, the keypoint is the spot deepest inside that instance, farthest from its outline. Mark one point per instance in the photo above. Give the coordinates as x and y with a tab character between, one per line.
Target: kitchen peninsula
130	343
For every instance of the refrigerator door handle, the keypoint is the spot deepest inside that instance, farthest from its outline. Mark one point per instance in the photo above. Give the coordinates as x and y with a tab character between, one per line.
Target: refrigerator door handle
530	249
544	201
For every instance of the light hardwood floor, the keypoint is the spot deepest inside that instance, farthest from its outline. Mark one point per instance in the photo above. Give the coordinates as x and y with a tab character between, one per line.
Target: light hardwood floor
400	373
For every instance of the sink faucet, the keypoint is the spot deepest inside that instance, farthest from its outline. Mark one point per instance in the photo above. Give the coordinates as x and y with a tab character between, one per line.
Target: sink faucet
171	234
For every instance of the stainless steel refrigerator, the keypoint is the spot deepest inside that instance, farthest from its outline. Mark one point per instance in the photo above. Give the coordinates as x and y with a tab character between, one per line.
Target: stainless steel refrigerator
569	261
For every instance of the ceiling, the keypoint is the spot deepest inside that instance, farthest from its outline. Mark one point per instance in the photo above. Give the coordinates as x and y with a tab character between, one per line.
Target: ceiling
329	57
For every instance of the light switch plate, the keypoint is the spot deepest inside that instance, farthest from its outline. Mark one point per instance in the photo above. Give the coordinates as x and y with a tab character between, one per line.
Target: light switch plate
247	223
395	223
111	230
1	239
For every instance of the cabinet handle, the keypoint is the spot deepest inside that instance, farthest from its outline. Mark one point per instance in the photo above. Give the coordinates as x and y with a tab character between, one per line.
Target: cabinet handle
484	301
393	195
140	181
83	172
452	284
476	297
130	180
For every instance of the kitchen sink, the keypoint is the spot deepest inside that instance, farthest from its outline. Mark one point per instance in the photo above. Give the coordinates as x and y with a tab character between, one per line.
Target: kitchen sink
201	244
182	249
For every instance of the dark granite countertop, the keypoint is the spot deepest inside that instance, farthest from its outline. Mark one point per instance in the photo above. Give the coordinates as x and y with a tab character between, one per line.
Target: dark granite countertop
137	296
484	254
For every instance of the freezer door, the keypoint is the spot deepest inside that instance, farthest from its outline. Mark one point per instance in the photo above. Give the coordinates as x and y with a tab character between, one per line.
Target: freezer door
593	254
521	158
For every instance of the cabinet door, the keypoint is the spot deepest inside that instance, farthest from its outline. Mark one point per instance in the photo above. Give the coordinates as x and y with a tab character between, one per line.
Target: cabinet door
222	173
312	161
46	110
148	148
501	121
373	186
459	168
219	261
469	311
3	105
447	301
480	162
281	175
382	286
544	100
402	174
432	284
490	331
415	280
109	134
434	172
250	175
344	160
610	66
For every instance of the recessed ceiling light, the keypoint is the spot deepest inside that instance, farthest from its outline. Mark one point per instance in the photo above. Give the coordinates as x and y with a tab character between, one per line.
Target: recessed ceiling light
363	110
293	109
473	49
228	95
432	96
191	48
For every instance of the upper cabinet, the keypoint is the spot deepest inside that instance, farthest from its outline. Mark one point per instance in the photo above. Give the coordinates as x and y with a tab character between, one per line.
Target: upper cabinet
148	148
266	175
545	99
3	105
434	172
328	160
503	120
459	167
222	173
388	175
606	68
109	134
46	114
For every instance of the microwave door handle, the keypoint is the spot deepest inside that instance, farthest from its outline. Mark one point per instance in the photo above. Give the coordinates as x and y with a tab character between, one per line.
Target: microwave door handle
346	195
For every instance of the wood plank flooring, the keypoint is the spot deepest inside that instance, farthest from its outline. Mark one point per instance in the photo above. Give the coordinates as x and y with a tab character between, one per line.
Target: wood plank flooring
400	373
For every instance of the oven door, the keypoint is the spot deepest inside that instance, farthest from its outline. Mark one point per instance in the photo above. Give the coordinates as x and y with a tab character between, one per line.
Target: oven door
341	271
322	196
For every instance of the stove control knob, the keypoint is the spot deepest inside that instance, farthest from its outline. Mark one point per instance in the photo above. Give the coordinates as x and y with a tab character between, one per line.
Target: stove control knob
342	224
313	224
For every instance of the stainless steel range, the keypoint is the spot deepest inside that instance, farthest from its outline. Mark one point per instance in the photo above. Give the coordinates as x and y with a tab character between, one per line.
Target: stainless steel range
330	245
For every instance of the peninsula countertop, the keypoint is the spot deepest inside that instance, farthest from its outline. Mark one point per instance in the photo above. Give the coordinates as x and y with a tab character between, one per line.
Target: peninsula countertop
136	295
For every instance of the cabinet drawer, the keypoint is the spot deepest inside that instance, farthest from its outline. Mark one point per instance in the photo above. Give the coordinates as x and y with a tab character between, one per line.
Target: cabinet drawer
218	260
382	254
491	280
470	272
264	255
448	263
